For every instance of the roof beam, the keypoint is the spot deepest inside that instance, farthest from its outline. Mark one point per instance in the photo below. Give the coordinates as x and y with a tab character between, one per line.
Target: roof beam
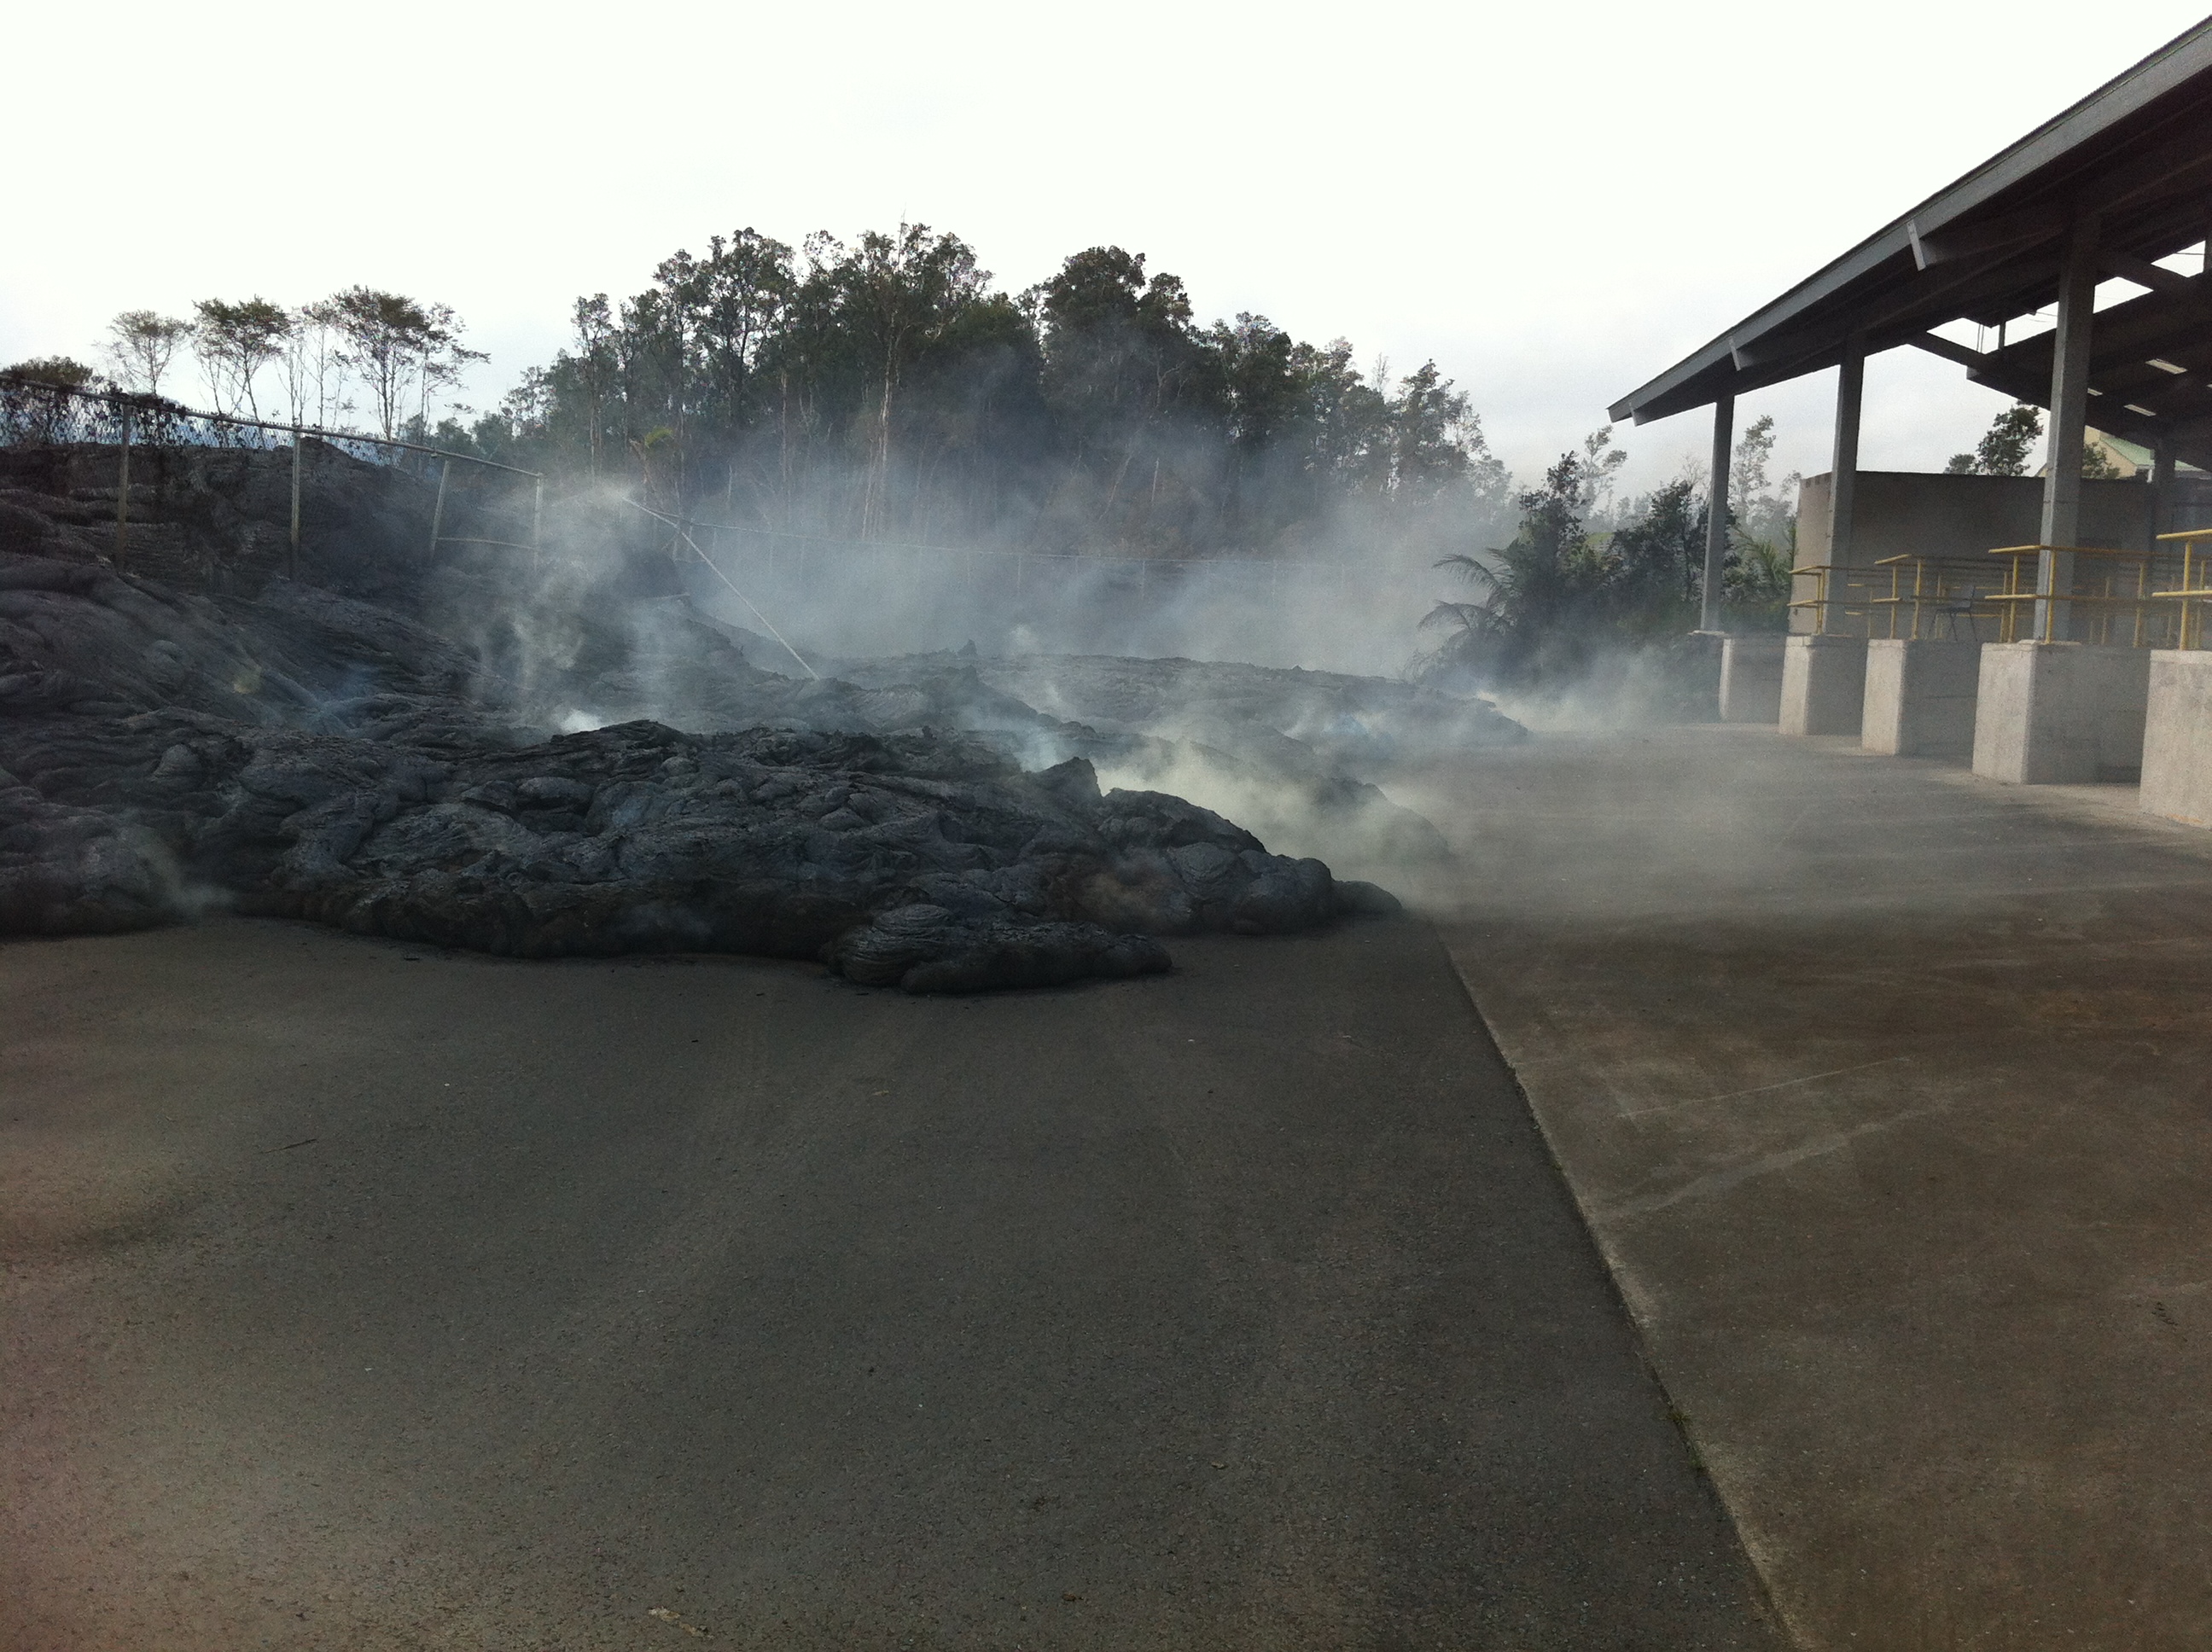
2012	231
2023	384
2175	168
1973	359
2137	151
1922	300
2144	273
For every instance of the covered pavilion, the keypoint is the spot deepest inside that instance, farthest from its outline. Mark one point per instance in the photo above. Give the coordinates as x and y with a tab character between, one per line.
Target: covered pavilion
2112	188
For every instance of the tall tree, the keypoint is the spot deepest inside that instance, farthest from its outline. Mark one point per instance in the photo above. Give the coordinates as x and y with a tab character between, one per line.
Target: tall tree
142	345
315	364
235	342
901	295
400	349
1121	353
727	305
1746	477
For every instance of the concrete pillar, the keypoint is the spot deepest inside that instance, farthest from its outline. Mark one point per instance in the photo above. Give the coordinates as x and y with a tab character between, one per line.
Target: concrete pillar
2053	713
2069	410
1751	679
1844	470
1920	697
2176	753
1716	516
1823	684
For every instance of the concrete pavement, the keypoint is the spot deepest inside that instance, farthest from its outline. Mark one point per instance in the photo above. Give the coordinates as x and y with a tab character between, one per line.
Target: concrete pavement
1884	1091
361	1296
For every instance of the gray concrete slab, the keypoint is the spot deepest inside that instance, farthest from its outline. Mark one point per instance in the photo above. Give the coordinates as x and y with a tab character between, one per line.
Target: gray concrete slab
2060	713
2176	761
359	1296
1920	697
1823	684
1883	1090
1751	679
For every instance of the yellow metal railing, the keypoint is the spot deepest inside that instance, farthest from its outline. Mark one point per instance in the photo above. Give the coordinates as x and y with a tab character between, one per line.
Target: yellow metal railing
2108	610
2113	593
2196	572
1928	594
1843	599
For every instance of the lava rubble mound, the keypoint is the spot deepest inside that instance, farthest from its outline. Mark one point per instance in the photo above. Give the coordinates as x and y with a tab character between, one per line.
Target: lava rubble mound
307	754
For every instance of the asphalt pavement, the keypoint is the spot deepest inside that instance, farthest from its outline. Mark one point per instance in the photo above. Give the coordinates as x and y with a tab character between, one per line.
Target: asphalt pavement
362	1296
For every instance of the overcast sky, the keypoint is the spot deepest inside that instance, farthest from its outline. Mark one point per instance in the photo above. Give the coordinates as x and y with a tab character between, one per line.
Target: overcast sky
1553	202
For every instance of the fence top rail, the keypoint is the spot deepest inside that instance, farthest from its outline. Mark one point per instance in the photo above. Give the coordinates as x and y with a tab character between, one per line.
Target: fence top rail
130	400
2192	533
1927	561
2063	597
2135	555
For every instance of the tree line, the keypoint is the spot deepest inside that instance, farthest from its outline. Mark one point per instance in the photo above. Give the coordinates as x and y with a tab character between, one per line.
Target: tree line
259	360
885	388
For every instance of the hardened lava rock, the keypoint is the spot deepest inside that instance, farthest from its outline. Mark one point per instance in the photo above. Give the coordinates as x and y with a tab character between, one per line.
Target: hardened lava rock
313	757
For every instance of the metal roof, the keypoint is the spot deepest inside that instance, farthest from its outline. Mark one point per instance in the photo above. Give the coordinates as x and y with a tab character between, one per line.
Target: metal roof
2137	152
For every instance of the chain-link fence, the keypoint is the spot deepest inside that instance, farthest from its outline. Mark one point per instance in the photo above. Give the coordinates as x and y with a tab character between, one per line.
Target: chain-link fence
37	413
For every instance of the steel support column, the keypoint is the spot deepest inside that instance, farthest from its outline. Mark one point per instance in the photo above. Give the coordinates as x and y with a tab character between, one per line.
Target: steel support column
2161	492
1843	467
2069	416
1717	522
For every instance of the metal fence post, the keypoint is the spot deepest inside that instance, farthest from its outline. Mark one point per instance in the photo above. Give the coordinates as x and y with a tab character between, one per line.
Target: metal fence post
292	556
123	492
438	511
536	521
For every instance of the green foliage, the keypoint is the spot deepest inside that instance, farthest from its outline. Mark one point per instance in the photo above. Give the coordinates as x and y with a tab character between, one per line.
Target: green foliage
885	388
235	342
1747	483
1557	595
1757	579
400	349
1657	563
2004	446
1553	604
2097	464
52	370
